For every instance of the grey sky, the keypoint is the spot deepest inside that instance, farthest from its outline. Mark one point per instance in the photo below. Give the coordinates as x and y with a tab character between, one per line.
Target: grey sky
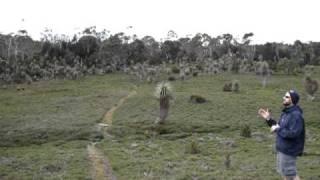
269	20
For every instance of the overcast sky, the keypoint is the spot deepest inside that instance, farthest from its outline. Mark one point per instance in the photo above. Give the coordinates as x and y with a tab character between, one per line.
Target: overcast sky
269	20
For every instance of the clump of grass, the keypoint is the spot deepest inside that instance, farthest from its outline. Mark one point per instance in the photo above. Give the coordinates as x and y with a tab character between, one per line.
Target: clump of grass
235	86
227	160
197	99
193	147
227	87
245	131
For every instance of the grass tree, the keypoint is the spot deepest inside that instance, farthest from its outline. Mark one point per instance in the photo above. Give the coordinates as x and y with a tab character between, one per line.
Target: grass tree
163	93
263	71
311	87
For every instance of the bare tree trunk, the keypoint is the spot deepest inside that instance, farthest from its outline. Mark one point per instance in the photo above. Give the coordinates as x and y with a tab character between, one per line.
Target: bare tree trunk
9	47
16	52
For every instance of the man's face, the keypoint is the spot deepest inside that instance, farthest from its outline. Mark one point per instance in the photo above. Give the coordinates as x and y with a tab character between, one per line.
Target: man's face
286	99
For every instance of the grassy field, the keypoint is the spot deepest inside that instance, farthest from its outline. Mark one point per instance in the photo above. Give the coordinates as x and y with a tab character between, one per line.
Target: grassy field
45	129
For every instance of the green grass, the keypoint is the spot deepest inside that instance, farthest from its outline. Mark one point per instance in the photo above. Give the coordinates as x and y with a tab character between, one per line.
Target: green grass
140	149
47	161
57	110
45	129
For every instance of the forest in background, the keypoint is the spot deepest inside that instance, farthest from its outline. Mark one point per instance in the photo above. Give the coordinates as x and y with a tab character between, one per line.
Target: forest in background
57	56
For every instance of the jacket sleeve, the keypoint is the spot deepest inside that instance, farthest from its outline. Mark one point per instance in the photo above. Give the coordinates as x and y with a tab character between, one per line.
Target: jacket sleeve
271	122
293	128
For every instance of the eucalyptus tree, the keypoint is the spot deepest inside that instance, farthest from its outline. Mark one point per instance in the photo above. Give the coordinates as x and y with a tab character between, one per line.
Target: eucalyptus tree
170	49
86	46
186	51
21	50
215	47
297	53
113	49
56	48
137	51
171	35
248	50
227	43
285	57
5	44
22	44
205	51
267	51
196	46
305	53
245	54
315	60
152	48
9	44
309	54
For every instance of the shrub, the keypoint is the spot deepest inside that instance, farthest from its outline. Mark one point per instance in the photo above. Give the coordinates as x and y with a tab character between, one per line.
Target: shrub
195	74
171	78
175	70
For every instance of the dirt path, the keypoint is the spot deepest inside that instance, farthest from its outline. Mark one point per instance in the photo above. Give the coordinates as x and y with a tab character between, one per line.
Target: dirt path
101	169
107	119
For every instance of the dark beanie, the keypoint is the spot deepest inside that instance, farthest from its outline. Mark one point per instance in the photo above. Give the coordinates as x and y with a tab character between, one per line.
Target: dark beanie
294	96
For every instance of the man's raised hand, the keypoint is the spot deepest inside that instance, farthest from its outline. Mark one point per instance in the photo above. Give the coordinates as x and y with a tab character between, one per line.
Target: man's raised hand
264	113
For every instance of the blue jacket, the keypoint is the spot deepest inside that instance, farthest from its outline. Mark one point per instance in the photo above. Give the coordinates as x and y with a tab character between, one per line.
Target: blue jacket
291	134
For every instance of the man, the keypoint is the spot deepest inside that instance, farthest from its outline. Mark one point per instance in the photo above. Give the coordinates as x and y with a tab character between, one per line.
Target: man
290	132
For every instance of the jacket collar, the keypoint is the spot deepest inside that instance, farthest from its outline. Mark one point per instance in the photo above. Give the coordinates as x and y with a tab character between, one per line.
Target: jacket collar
291	108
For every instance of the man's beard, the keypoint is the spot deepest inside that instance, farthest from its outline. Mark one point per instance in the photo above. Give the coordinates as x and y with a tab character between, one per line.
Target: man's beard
286	104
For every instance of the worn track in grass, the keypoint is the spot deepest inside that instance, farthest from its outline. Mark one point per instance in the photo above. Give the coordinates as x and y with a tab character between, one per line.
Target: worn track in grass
101	168
107	119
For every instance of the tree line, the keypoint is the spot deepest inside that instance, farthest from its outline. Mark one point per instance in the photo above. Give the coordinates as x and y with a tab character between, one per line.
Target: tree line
23	59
